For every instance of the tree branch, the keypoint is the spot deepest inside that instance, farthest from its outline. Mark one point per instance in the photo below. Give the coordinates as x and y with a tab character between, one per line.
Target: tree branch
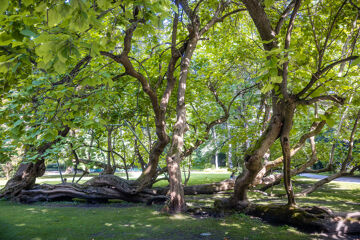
334	98
284	16
316	76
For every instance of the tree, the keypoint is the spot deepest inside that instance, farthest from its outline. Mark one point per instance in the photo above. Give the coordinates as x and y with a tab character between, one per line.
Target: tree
286	95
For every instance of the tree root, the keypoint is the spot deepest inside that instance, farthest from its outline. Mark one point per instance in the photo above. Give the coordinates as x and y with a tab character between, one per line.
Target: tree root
308	219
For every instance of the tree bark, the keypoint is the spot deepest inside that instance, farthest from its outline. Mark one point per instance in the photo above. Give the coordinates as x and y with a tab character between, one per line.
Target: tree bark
230	163
98	189
315	129
26	174
253	160
288	115
216	150
173	159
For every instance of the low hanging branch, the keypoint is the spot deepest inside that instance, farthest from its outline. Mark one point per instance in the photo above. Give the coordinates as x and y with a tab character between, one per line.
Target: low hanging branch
344	165
267	166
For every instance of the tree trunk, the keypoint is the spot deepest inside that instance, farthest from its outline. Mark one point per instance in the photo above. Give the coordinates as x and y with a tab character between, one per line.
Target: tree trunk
230	163
309	219
24	178
26	174
288	114
173	159
216	150
253	158
315	128
138	156
109	169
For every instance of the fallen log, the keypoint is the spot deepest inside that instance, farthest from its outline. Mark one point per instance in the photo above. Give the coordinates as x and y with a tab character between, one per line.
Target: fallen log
98	189
105	187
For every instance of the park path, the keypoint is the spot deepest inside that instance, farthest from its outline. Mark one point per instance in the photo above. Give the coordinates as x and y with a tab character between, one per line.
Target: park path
340	179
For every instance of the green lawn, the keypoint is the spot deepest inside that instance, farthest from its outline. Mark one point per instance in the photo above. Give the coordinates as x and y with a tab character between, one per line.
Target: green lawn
338	196
130	221
133	221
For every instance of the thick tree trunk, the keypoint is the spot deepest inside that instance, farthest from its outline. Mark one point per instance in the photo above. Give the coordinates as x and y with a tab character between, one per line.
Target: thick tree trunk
149	174
26	174
288	114
269	180
253	160
174	157
24	178
309	219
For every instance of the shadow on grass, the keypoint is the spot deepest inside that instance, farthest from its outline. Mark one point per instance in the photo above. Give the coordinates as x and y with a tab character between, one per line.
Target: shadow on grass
335	195
18	221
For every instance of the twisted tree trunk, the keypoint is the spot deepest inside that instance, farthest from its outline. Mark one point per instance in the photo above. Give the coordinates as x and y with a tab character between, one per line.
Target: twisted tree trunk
98	189
26	174
253	160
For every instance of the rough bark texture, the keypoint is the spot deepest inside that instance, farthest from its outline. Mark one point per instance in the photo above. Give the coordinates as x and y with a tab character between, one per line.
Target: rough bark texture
260	179
98	189
24	178
253	159
104	187
26	174
173	159
288	115
310	219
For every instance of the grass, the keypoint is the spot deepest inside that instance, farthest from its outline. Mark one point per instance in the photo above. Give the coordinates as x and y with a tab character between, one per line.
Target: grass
132	221
338	196
76	221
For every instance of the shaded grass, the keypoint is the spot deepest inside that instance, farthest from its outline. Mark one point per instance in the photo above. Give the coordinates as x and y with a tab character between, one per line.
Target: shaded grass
49	221
131	221
338	196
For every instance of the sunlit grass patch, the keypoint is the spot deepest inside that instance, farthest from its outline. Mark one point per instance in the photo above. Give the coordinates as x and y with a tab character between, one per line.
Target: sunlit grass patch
18	221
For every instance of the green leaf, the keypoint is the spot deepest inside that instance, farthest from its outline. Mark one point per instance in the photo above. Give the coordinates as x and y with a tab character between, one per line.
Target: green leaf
4	4
54	17
27	2
59	67
28	33
104	4
276	79
267	88
356	61
268	3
